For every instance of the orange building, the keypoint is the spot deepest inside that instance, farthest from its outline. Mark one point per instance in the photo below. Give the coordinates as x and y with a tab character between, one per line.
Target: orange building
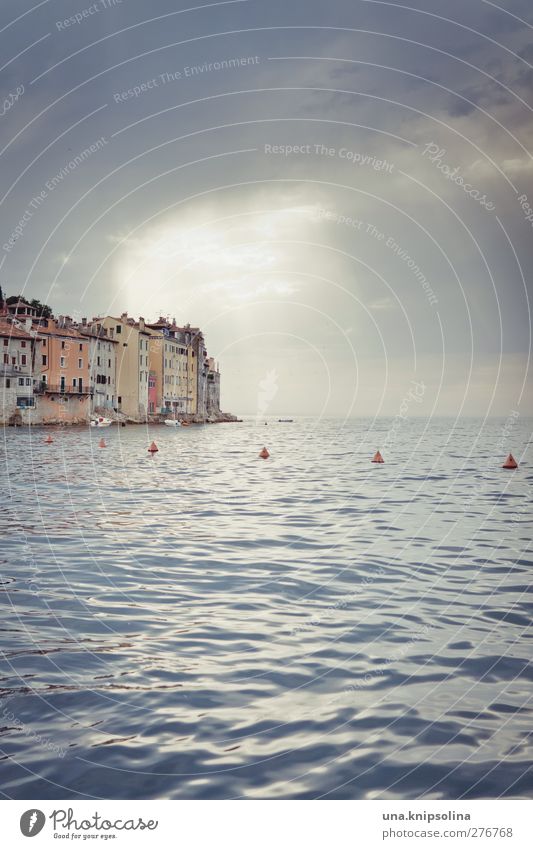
62	373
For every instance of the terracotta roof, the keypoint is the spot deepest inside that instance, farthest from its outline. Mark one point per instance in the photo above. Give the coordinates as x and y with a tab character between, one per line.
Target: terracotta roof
11	330
60	331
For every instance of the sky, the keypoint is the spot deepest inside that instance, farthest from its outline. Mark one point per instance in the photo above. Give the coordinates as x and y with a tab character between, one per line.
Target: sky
337	193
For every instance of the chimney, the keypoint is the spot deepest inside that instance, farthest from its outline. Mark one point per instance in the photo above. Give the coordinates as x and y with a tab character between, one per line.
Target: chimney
124	316
141	323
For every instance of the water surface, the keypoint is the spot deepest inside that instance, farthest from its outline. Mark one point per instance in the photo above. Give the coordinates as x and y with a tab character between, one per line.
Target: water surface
205	624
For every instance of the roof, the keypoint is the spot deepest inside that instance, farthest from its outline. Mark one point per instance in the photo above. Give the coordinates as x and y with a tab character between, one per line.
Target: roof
60	331
102	337
128	322
14	332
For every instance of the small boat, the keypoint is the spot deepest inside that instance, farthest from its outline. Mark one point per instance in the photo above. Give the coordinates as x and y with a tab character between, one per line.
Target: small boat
100	422
172	423
285	420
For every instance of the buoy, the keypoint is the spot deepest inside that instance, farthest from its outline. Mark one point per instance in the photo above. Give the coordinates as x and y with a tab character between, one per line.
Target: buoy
48	439
377	458
264	454
153	448
102	444
510	463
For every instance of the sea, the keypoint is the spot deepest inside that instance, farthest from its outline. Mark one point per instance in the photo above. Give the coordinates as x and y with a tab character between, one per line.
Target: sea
201	623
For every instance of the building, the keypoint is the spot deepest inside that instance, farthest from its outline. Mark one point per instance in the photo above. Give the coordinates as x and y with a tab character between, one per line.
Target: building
17	353
59	371
155	364
213	389
153	406
62	372
102	366
132	363
174	364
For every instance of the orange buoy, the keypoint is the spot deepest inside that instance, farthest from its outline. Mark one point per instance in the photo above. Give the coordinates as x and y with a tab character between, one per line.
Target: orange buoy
102	443
264	453
377	458
510	463
48	439
153	448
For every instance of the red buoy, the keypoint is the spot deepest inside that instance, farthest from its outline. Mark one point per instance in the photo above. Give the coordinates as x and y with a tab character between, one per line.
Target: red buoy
153	448
102	443
377	458
264	453
48	439
510	463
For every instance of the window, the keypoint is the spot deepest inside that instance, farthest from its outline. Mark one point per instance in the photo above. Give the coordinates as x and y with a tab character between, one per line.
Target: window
23	344
80	363
23	359
25	402
44	342
6	359
62	346
8	383
28	381
44	359
62	362
109	363
98	361
21	381
6	342
74	381
108	380
81	346
118	328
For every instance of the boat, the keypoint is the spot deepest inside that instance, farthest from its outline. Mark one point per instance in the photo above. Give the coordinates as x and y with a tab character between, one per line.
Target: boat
285	420
100	422
172	423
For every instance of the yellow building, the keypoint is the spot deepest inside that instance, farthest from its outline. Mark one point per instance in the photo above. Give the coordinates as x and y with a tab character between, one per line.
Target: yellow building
132	363
176	390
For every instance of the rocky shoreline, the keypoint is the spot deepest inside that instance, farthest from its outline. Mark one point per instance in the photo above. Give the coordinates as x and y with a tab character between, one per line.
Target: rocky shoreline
122	420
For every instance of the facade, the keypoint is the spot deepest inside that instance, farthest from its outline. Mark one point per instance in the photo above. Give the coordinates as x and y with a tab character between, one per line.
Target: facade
102	367
213	389
155	364
17	352
59	371
176	397
152	393
200	353
62	373
132	363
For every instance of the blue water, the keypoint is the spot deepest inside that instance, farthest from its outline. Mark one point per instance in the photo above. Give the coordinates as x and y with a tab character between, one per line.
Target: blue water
205	624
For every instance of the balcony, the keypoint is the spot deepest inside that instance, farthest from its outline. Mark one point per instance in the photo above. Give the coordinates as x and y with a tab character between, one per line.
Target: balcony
60	389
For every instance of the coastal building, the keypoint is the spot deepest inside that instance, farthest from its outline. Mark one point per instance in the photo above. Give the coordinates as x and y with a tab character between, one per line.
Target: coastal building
152	393
202	368
102	366
56	370
156	345
17	352
62	374
174	363
132	363
213	389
